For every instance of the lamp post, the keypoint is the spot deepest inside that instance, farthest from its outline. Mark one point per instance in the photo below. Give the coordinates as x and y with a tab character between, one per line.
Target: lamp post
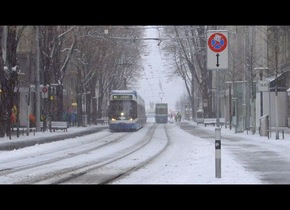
18	101
230	103
37	81
84	107
28	109
276	91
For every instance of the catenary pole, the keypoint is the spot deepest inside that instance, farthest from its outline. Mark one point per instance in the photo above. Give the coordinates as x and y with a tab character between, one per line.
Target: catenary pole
37	91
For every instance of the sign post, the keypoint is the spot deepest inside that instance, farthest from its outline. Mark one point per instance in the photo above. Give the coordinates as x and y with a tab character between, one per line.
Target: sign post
218	152
217	59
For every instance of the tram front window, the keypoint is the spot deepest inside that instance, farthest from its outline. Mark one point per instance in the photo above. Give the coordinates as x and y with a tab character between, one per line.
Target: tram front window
123	109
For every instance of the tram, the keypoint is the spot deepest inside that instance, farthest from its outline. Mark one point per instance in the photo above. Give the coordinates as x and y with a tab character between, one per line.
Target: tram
161	112
126	110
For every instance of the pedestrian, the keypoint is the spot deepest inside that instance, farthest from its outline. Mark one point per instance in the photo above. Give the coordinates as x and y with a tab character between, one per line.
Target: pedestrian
32	120
12	119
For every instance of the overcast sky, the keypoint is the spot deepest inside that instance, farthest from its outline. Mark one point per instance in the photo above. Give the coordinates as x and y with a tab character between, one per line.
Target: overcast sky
155	84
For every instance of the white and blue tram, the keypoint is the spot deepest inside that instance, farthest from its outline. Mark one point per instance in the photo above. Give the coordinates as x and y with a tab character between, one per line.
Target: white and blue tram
126	110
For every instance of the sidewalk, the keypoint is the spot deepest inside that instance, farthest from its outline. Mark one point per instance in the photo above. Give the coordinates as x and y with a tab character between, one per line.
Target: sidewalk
282	131
272	134
47	136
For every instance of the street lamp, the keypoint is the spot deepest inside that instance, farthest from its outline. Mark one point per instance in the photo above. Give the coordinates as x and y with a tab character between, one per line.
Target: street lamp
84	107
276	91
18	99
230	103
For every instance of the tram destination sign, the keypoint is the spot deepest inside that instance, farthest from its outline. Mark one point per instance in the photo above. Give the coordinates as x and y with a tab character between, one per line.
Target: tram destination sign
122	97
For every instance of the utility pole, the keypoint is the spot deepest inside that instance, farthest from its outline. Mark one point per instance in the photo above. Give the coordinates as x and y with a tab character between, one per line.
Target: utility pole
37	91
246	60
276	92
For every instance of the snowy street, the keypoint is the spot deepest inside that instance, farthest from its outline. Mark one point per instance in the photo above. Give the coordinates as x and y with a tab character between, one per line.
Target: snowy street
184	155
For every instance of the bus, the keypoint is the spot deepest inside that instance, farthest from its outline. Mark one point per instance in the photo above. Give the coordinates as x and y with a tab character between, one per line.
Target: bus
161	112
126	110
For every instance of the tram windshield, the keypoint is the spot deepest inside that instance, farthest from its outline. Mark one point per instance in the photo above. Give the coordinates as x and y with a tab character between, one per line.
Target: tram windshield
123	109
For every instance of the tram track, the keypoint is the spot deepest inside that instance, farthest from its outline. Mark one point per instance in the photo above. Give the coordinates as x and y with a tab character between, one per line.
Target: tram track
129	162
99	153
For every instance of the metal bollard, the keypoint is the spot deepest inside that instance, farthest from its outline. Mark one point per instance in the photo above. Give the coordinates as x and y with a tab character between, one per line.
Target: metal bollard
218	152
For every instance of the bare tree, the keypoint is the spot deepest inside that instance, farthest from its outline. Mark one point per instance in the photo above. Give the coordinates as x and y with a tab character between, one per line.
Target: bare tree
187	45
57	46
9	76
104	62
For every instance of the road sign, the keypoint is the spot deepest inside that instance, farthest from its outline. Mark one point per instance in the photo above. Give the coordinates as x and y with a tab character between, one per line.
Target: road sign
44	89
217	50
263	86
44	92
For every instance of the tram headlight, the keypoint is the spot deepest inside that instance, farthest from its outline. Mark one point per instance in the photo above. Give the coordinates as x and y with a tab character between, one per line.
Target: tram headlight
113	119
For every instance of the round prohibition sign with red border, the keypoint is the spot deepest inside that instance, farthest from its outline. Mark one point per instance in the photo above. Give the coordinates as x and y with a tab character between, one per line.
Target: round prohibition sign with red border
44	89
217	42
